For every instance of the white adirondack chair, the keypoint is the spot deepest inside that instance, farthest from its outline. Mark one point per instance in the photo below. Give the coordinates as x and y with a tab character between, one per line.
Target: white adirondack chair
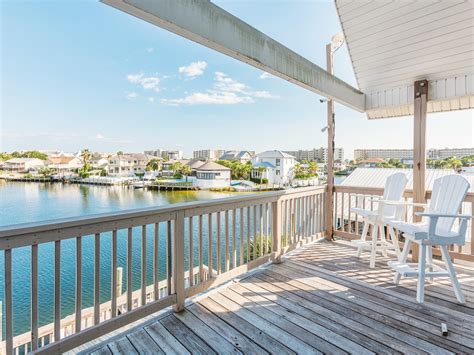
393	191
436	228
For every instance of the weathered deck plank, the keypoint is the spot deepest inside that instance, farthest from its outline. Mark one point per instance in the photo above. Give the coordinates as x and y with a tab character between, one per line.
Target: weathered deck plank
320	299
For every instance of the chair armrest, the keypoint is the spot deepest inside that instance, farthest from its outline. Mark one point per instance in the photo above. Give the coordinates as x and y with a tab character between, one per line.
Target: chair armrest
434	218
404	203
443	215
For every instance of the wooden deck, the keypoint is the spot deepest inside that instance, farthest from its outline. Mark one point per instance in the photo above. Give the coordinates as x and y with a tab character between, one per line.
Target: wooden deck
321	299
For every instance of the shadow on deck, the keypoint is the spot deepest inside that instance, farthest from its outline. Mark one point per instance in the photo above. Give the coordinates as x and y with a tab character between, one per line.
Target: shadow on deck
321	299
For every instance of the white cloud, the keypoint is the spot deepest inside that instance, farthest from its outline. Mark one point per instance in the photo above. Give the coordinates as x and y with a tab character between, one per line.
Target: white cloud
150	49
265	75
193	70
131	95
99	136
147	82
264	95
225	83
225	91
209	98
151	99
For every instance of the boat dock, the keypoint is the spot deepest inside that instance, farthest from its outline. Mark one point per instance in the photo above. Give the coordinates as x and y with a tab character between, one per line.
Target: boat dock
172	186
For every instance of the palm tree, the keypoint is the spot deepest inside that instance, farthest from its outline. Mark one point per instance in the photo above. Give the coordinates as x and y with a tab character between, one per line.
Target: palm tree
86	156
313	168
177	168
153	164
45	171
186	170
261	170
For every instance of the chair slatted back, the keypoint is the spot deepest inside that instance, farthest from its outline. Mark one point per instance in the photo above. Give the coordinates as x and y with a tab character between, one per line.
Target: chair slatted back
448	194
394	188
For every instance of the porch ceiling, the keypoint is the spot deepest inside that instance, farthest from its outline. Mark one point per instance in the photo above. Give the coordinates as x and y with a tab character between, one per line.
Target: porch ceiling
394	43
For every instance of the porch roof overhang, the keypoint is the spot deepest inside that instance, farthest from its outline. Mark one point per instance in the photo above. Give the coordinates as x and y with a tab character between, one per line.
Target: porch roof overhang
208	24
392	44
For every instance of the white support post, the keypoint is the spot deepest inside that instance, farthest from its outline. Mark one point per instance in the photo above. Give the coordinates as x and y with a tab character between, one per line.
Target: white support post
419	149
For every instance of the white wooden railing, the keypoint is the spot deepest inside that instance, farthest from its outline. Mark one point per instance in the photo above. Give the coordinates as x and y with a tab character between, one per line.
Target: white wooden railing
346	224
199	245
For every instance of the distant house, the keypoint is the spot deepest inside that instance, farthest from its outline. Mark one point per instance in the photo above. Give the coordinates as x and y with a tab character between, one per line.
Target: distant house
277	167
212	175
339	165
243	156
128	164
64	163
99	162
371	162
23	165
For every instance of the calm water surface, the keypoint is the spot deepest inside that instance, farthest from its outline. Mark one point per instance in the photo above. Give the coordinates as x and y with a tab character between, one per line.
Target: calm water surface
33	202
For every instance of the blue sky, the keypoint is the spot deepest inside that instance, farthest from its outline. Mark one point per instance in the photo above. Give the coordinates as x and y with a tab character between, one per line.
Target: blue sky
80	74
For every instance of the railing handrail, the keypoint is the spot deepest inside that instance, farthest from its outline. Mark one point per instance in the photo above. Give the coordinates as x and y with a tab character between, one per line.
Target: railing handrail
13	236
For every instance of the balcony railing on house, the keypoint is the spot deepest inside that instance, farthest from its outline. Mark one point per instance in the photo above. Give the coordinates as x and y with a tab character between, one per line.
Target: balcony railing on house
183	249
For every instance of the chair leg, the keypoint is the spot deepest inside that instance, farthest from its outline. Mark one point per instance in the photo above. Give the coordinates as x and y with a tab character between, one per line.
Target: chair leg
365	230
394	238
429	257
383	240
420	289
452	274
373	250
403	259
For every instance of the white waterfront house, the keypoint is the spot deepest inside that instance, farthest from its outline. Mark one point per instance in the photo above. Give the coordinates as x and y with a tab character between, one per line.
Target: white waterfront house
242	156
22	165
128	164
63	163
212	175
276	166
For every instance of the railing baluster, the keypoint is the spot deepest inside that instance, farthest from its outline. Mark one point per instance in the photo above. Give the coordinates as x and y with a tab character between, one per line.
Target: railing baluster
57	290
209	251
302	219
156	273
8	302
291	221
234	238
261	229
335	212
472	228
191	251
143	271
129	269
169	255
305	217
114	275
78	305
248	233
343	227
200	251
218	232
178	260
34	297
97	279
348	204
241	236
267	228
254	232
226	250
